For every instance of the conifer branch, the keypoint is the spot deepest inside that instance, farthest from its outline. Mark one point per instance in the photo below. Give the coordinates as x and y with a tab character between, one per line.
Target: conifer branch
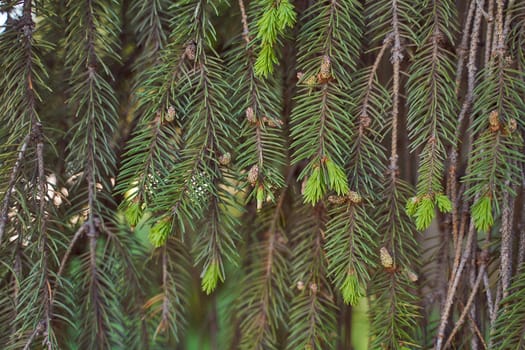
11	184
312	306
260	152
431	109
320	122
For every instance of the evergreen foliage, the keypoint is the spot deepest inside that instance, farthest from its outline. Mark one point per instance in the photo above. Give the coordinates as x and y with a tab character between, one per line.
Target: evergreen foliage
212	174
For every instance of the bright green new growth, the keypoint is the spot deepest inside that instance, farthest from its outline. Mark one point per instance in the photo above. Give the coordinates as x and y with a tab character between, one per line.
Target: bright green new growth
134	213
278	16
482	214
337	178
158	235
316	187
423	210
351	290
211	277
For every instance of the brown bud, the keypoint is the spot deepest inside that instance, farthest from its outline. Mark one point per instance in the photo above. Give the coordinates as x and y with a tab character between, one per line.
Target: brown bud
225	159
337	199
386	258
508	61
326	66
190	50
365	121
411	275
271	123
300	76
253	175
313	287
355	197
171	114
513	125
250	115
311	81
494	121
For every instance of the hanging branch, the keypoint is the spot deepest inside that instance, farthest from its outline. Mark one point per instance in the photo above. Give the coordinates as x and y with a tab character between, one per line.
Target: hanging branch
196	189
321	119
312	311
262	307
394	310
432	106
261	152
12	181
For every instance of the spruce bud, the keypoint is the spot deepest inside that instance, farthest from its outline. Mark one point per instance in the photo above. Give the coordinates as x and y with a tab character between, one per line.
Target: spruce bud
171	114
190	50
494	121
253	174
386	258
326	66
355	197
225	159
250	115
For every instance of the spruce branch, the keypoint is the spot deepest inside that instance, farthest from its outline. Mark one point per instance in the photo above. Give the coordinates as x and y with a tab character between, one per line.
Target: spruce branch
320	121
262	304
260	151
11	184
198	187
312	308
432	106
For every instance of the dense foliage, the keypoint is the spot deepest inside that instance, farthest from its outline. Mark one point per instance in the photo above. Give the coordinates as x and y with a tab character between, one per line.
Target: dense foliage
196	174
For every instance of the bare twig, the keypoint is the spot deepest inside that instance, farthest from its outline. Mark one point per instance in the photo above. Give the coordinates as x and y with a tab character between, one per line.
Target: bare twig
476	328
488	292
508	19
244	20
65	258
464	314
489	31
456	274
386	44
396	58
506	242
463	48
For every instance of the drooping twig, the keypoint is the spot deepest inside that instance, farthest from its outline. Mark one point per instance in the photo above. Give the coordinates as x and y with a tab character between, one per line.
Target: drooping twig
456	274
489	31
506	242
244	20
397	57
462	49
11	185
386	44
470	299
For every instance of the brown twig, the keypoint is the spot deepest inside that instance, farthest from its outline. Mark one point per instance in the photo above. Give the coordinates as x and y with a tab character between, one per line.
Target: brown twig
464	314
244	20
463	48
456	274
489	31
488	292
386	44
397	57
506	242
